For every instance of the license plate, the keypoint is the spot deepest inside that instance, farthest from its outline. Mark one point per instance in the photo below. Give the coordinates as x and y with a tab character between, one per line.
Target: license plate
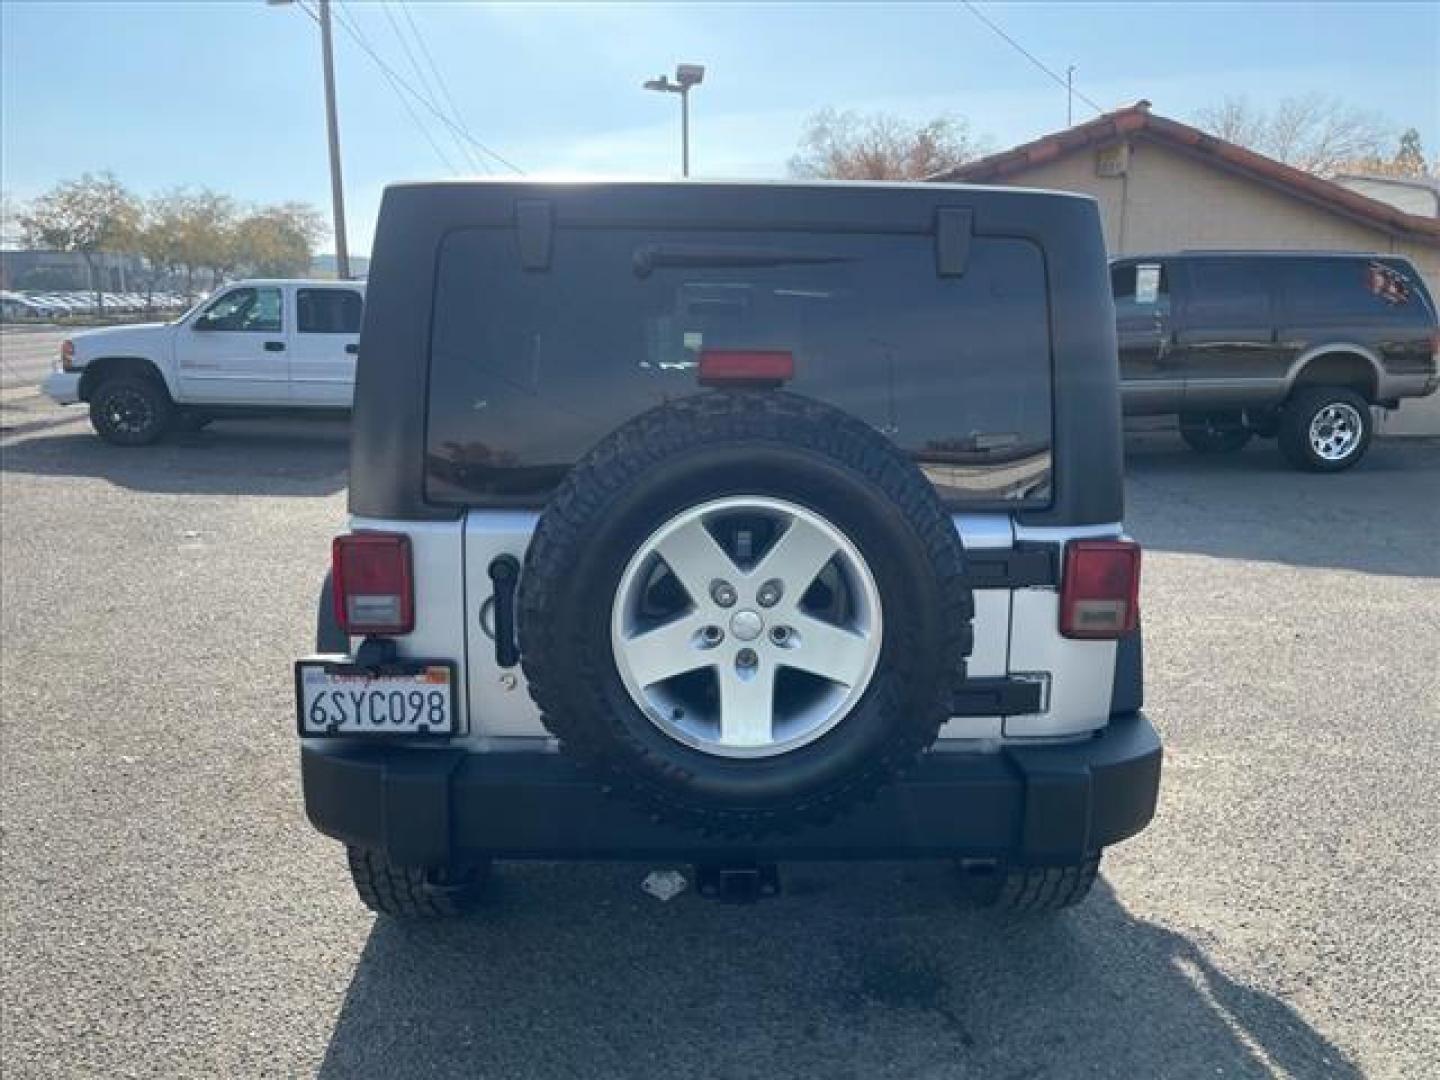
336	697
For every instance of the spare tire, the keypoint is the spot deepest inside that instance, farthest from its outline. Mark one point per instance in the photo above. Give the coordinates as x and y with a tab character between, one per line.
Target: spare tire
746	610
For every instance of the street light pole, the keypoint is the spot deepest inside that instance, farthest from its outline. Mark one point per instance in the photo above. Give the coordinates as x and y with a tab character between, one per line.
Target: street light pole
332	131
337	188
686	76
685	132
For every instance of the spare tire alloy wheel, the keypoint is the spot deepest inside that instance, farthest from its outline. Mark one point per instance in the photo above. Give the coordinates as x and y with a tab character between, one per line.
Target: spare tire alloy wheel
745	611
809	605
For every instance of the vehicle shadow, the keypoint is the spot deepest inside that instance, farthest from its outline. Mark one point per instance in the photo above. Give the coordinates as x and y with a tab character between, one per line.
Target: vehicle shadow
288	458
860	971
1381	517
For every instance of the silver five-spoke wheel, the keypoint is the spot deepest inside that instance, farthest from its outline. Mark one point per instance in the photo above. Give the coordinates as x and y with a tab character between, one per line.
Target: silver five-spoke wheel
746	626
1335	431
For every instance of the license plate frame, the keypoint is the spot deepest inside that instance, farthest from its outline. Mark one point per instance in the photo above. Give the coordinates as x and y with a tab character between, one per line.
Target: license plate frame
404	676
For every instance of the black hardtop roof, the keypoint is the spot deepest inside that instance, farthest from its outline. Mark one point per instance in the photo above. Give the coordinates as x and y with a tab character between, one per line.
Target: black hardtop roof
1270	253
561	182
388	429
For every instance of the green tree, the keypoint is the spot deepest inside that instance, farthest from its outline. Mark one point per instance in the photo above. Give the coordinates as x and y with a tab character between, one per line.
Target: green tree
1409	157
158	239
205	229
278	241
92	214
879	146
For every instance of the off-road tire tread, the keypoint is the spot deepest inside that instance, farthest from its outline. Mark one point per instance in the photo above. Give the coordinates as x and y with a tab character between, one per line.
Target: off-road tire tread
164	405
403	892
1039	888
718	419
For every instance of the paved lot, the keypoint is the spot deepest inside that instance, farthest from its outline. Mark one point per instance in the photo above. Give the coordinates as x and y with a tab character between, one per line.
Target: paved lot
27	354
167	912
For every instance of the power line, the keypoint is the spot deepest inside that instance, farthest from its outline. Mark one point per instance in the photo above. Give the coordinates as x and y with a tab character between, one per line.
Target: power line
435	71
390	76
425	82
1060	79
390	72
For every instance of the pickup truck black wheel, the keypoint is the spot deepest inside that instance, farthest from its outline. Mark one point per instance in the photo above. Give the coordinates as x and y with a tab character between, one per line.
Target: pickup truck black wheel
1325	429
130	410
1030	888
745	611
1214	433
410	893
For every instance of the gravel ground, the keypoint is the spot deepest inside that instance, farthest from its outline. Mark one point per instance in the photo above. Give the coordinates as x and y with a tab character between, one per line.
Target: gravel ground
167	911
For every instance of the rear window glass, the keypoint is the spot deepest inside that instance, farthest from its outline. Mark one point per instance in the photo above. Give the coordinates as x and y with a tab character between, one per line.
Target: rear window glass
530	368
328	311
1335	288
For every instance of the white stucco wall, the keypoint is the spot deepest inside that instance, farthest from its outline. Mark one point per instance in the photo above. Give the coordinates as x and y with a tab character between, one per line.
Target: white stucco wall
1413	198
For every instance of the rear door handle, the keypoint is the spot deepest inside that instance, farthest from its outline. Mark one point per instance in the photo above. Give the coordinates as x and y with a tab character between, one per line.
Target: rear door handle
352	349
274	346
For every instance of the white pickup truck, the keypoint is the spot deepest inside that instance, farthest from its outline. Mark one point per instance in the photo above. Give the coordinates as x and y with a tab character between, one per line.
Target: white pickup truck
253	348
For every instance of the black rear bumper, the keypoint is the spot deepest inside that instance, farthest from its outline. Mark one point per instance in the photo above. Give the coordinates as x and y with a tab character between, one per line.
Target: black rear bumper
1042	804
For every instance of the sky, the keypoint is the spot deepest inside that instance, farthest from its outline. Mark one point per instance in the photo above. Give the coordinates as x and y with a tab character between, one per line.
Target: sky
227	94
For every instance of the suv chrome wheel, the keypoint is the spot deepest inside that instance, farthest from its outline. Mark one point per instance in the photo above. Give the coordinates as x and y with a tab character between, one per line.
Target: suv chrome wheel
1335	431
746	627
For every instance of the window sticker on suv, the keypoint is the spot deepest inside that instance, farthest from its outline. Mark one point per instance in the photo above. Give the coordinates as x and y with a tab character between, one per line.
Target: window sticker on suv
1389	284
1147	283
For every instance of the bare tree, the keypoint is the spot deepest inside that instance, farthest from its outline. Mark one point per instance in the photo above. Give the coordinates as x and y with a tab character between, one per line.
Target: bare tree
92	214
1316	133
880	146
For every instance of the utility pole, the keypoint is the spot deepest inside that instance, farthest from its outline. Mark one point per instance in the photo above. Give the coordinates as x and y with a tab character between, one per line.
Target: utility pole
337	188
1070	96
332	128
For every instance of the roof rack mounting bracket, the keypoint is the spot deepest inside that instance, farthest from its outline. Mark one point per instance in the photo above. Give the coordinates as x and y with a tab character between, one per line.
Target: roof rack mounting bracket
535	229
953	228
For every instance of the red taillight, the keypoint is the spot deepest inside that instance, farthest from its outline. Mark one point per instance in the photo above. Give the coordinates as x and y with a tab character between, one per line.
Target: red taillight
1099	596
373	585
67	354
752	367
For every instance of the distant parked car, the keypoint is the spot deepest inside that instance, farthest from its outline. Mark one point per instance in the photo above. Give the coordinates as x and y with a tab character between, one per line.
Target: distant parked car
17	308
1288	345
255	347
53	306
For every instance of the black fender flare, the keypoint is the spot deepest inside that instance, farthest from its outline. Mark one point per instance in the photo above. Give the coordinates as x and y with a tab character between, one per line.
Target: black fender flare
329	638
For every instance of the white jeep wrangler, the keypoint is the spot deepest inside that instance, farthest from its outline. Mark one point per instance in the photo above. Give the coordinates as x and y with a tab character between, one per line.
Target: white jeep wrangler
731	524
254	348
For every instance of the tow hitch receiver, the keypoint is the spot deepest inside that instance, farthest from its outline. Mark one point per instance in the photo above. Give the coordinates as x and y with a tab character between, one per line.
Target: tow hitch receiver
742	883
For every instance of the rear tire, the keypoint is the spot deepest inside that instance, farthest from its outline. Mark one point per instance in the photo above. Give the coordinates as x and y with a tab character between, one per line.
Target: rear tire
412	893
1214	433
1030	888
1326	429
131	411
